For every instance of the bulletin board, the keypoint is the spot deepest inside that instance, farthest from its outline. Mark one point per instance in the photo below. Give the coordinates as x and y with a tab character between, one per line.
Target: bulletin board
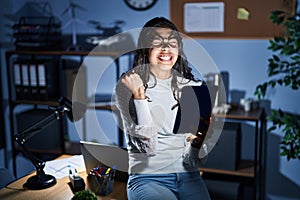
242	18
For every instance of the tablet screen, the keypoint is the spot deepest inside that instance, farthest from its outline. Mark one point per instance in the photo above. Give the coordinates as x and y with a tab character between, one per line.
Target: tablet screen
195	109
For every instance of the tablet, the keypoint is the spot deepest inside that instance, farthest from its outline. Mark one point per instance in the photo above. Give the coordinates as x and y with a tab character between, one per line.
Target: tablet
195	109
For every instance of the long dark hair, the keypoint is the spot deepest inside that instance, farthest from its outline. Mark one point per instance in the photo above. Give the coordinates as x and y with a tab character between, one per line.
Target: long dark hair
141	59
141	64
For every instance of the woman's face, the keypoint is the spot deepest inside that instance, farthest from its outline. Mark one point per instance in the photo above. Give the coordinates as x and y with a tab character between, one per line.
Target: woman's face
164	53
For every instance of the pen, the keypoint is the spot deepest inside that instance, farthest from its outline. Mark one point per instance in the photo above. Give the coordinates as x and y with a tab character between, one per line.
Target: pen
96	172
75	174
100	168
108	170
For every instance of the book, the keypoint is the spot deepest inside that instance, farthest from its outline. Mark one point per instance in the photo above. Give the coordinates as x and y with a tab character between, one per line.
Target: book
18	80
33	81
41	80
25	80
48	80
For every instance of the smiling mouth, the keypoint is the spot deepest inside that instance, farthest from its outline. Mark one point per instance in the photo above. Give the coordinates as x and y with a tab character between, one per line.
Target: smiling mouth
165	58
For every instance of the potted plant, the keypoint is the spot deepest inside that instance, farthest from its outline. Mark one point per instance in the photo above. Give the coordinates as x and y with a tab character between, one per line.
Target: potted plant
284	70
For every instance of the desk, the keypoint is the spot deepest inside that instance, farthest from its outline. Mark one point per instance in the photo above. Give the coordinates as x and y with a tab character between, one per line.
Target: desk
61	190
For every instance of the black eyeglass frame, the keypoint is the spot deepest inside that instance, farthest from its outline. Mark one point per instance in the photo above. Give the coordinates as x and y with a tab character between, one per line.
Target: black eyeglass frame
159	41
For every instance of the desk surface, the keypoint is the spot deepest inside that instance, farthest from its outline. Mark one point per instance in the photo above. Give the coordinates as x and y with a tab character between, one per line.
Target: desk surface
253	115
61	190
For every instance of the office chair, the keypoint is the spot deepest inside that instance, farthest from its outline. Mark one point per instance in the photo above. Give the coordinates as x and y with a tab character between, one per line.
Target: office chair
6	177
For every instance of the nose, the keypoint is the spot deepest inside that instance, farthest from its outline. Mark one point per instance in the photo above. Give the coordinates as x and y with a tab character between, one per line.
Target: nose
165	46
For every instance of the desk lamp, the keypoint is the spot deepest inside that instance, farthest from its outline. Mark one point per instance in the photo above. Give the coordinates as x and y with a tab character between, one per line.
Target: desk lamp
42	180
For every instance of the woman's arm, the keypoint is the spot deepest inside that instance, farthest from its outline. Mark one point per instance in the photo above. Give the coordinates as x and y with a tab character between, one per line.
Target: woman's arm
196	143
135	114
191	156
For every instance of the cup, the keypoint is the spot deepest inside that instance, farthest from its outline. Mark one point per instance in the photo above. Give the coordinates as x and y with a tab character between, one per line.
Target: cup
246	103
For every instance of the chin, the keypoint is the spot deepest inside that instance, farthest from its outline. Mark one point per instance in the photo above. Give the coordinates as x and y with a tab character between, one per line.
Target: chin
165	67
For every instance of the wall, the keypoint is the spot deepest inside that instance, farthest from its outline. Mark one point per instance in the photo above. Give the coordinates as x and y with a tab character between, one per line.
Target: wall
246	60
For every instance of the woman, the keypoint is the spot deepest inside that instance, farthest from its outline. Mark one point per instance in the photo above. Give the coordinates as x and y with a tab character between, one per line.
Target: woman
162	165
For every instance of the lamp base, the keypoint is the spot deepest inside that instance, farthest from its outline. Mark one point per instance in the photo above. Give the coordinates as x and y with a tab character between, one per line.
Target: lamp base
38	182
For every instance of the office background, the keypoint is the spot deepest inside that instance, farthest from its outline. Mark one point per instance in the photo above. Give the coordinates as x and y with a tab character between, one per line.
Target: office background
245	60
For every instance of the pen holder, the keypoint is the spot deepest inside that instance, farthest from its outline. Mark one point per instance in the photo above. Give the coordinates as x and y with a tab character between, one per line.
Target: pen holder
101	184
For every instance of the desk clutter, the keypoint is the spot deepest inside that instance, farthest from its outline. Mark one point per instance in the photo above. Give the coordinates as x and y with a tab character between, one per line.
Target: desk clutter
101	180
37	33
63	189
76	181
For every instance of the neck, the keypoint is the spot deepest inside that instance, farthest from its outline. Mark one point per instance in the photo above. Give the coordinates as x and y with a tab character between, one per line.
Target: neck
161	74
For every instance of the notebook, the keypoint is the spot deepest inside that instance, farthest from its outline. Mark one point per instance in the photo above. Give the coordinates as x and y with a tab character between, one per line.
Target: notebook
105	155
195	109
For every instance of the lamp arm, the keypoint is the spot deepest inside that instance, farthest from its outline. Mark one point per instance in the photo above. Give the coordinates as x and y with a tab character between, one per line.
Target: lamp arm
38	164
21	138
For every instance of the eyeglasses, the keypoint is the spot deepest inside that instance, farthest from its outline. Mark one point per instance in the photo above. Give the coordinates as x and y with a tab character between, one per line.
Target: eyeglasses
159	42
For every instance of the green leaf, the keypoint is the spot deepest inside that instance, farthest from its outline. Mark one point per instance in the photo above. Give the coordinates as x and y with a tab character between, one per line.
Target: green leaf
272	83
277	17
287	80
277	12
296	44
281	113
284	153
272	128
276	58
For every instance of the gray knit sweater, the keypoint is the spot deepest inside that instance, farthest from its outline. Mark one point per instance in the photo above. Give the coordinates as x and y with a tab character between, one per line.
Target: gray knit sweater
152	146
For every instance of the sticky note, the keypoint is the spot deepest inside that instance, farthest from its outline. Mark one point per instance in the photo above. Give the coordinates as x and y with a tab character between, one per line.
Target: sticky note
243	14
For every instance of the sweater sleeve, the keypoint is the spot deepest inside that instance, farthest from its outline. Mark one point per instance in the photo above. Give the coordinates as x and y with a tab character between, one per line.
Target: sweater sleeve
143	112
136	122
194	157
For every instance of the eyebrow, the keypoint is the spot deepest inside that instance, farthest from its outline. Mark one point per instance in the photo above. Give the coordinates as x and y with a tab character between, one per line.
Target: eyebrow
171	36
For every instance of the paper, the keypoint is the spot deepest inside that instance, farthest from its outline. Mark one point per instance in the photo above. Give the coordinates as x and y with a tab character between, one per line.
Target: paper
17	73
204	17
33	75
42	75
25	75
60	168
243	14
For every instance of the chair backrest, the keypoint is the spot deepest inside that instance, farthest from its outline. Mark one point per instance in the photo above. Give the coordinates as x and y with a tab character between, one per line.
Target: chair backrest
6	177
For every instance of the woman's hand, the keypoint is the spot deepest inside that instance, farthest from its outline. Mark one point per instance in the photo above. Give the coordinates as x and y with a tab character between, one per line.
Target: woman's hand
196	140
135	84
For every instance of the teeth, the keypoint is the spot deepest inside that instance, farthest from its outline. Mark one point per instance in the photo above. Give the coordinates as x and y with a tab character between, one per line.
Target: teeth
165	57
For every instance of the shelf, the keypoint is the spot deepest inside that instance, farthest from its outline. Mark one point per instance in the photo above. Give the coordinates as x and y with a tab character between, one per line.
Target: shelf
239	114
66	53
49	103
103	106
245	173
245	169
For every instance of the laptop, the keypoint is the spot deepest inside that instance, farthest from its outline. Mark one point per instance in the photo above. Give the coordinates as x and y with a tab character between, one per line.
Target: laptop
195	109
95	154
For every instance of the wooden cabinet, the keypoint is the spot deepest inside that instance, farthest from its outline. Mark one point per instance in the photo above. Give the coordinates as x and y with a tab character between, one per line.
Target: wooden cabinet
247	171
